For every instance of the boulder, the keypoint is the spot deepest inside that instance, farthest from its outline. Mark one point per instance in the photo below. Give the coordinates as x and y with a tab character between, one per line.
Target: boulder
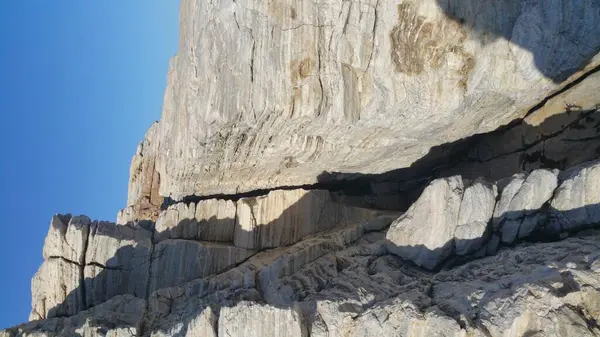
425	233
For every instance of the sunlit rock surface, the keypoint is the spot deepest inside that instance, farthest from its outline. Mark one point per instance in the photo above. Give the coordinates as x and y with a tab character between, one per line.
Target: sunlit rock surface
281	118
264	94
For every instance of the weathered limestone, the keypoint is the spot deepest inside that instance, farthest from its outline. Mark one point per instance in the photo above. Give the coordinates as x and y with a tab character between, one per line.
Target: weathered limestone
177	261
476	210
207	220
350	280
143	198
251	319
117	261
119	317
87	263
56	287
67	238
290	93
279	218
532	288
56	290
425	233
518	212
283	217
362	90
576	203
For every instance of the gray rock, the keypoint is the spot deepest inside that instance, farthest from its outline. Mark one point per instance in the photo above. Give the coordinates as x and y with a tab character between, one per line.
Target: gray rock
576	203
56	290
67	238
425	233
476	210
358	95
251	319
56	287
519	211
117	262
284	217
175	262
119	317
207	220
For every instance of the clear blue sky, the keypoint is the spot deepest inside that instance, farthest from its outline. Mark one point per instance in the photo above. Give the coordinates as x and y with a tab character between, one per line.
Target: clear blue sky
80	82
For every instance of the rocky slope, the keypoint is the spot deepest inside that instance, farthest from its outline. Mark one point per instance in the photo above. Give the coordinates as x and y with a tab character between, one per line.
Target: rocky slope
401	168
516	257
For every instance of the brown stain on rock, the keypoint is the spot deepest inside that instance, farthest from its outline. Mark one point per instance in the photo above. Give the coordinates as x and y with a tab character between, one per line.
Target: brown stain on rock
418	44
305	68
300	69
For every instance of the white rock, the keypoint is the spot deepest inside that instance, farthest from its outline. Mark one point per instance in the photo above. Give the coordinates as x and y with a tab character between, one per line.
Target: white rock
117	261
119	317
519	211
368	87
175	262
250	319
476	210
576	203
56	290
207	220
425	233
284	217
67	238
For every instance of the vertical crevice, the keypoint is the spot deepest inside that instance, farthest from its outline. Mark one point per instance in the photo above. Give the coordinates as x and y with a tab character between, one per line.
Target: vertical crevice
146	319
83	263
252	58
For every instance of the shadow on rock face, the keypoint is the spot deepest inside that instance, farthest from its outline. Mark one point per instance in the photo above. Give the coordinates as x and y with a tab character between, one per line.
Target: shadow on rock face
562	140
542	30
301	261
192	284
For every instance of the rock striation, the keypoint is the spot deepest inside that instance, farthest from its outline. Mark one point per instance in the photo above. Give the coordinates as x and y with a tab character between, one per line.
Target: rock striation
369	86
446	267
332	169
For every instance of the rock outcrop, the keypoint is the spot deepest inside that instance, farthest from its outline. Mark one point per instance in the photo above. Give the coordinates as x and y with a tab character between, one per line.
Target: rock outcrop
369	274
263	95
393	168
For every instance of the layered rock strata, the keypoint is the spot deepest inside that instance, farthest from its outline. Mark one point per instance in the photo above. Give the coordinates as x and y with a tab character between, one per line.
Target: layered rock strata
264	95
489	108
360	277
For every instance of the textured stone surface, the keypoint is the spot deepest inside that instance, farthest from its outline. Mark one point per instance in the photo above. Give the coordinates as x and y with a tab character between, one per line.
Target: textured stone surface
247	319
289	93
67	238
576	203
118	317
360	289
206	220
370	86
561	133
56	290
350	281
425	233
476	210
283	217
518	212
117	261
177	261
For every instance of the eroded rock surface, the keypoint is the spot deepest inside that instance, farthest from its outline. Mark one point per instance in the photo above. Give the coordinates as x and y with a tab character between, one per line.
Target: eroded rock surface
353	279
281	100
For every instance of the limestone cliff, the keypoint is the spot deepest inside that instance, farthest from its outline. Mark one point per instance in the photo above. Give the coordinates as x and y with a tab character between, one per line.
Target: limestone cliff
264	94
370	168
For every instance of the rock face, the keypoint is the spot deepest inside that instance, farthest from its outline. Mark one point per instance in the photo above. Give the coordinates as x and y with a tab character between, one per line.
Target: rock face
425	233
282	117
369	274
369	87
